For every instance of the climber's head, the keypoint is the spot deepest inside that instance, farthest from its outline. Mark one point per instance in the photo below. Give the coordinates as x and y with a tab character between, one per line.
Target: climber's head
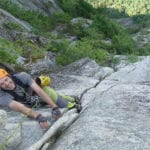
5	81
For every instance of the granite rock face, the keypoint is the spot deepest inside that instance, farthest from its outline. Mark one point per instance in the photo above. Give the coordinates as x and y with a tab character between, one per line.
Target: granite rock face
117	114
66	82
115	109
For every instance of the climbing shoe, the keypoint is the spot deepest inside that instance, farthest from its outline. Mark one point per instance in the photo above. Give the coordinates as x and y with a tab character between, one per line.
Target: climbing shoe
75	105
77	100
78	104
78	108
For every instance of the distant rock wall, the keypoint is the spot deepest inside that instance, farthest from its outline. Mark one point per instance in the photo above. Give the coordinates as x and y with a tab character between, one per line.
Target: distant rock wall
48	7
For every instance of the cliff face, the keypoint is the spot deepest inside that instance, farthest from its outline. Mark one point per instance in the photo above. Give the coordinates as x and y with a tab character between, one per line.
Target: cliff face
115	111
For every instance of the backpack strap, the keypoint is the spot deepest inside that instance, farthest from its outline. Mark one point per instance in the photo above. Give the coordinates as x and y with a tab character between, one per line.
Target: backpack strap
18	82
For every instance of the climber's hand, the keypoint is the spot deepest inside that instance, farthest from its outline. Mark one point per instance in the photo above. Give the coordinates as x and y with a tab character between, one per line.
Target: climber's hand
42	121
56	114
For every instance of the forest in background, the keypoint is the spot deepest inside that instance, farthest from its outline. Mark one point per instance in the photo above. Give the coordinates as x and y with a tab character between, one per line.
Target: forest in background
130	7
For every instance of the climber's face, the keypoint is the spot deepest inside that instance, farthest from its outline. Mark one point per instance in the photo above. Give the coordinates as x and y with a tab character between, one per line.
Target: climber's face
7	83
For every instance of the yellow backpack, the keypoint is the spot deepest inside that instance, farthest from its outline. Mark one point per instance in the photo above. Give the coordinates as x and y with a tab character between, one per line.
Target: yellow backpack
45	80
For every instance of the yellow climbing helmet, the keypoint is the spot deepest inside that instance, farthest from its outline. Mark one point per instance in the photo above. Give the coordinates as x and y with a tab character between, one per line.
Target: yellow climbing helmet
3	73
45	80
